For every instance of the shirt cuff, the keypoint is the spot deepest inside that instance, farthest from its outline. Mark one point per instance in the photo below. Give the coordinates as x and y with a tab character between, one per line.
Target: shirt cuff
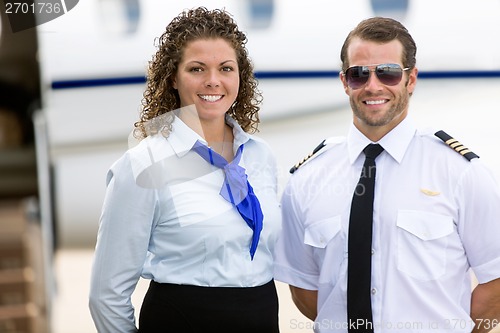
487	272
293	277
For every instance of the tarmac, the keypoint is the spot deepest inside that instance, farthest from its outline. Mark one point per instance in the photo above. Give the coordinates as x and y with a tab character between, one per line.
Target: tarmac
70	312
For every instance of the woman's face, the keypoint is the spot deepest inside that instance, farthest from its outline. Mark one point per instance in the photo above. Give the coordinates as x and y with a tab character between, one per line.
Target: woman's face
208	77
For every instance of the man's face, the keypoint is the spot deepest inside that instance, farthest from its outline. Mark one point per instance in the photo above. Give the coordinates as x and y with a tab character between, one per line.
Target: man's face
378	107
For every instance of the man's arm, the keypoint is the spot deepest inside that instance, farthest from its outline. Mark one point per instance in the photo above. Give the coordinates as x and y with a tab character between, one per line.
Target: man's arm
485	307
306	301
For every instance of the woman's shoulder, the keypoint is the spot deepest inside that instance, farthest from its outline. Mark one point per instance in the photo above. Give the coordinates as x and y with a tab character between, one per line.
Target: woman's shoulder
259	144
142	155
259	141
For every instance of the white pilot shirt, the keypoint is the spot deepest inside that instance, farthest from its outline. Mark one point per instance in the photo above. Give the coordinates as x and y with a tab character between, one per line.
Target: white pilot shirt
164	219
435	216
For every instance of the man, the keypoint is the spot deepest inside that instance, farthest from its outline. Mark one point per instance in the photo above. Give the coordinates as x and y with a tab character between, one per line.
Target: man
436	211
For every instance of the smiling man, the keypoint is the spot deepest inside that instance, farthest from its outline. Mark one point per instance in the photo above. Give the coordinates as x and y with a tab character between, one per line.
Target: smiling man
390	250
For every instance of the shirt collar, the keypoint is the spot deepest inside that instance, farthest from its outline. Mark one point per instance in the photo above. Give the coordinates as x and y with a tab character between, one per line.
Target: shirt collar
395	142
240	136
183	138
155	148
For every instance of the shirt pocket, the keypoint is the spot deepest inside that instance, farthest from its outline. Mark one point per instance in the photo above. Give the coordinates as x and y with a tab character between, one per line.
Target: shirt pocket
327	242
321	232
423	243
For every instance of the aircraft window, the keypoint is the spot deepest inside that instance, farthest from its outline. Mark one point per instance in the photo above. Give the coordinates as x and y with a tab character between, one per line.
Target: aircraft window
396	9
120	16
261	13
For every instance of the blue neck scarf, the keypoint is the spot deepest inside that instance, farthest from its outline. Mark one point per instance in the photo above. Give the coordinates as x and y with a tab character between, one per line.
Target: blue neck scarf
236	189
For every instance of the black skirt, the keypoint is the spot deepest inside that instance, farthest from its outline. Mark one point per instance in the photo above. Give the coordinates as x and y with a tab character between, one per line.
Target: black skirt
193	309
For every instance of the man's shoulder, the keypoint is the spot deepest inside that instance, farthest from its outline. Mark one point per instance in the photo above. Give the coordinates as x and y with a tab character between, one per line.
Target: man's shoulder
442	140
320	149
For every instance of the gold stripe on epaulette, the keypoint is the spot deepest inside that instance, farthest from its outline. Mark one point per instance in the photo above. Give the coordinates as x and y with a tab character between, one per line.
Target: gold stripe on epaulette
456	145
303	160
318	148
465	151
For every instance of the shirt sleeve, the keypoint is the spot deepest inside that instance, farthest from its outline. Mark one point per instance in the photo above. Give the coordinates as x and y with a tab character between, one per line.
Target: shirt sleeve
122	243
294	262
478	195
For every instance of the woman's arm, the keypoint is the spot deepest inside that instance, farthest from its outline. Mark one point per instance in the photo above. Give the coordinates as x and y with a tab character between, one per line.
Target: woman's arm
122	244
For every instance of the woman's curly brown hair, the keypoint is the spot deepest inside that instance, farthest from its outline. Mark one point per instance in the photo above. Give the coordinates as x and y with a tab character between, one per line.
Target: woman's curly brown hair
200	23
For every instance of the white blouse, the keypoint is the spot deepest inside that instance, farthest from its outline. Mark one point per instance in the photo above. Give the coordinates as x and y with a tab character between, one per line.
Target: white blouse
164	219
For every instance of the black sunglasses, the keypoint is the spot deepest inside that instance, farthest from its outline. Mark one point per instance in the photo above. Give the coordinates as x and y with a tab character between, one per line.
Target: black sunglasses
388	74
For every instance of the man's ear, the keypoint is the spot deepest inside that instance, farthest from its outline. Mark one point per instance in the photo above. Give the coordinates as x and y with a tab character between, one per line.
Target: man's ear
344	82
412	80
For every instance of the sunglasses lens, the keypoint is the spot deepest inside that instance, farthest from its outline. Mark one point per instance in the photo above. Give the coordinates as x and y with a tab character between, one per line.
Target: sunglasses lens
388	74
357	76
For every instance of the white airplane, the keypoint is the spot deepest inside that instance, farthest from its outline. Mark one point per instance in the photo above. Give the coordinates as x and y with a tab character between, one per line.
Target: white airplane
91	61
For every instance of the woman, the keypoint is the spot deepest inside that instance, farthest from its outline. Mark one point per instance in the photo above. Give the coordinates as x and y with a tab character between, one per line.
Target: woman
193	206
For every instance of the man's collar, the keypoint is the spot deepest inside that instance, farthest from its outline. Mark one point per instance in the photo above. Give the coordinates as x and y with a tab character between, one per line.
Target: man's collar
395	142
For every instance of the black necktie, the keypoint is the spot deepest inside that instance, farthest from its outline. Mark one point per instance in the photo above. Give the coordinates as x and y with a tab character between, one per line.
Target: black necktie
359	308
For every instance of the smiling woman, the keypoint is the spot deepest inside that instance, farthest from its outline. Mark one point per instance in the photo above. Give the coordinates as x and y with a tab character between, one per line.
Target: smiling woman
197	193
161	95
207	77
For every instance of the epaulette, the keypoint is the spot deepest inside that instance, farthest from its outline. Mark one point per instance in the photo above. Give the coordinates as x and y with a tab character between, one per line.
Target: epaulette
326	142
455	145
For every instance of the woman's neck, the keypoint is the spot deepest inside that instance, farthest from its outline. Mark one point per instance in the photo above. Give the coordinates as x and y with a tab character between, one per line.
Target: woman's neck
217	134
